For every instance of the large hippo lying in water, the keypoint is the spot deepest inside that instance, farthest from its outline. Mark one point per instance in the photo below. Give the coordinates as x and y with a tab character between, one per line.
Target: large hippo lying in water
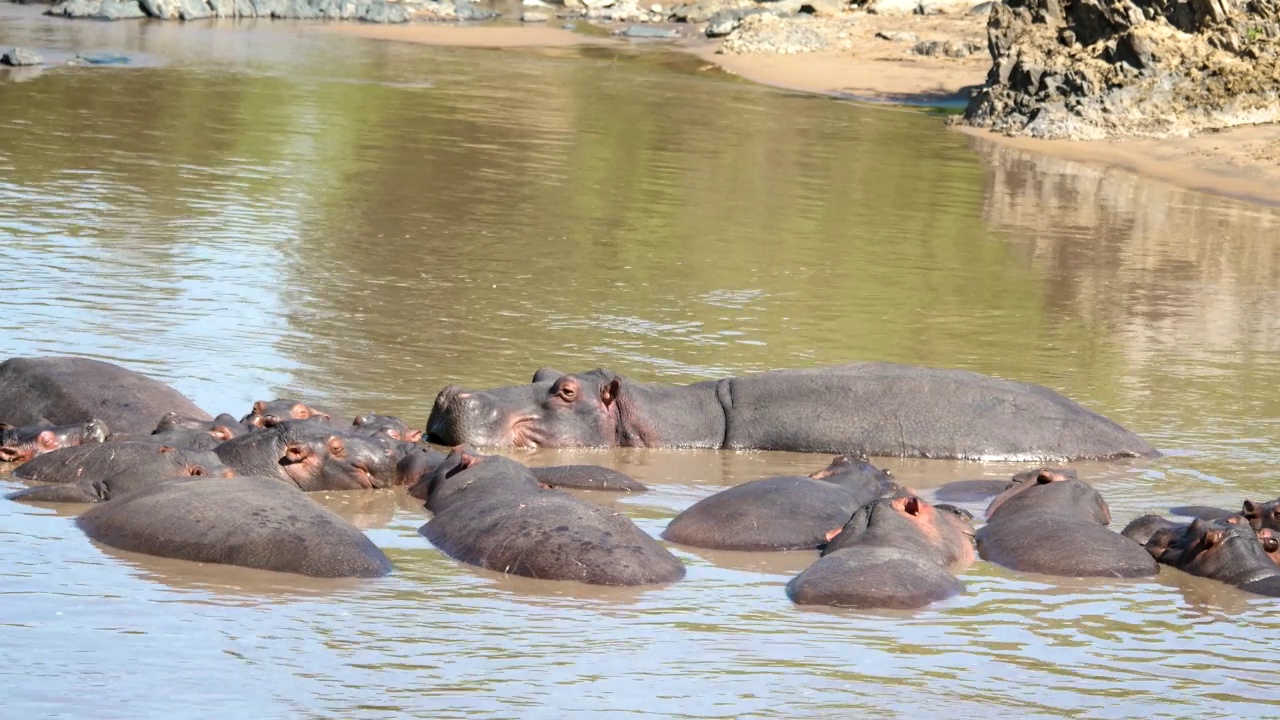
256	522
870	408
897	552
63	390
492	512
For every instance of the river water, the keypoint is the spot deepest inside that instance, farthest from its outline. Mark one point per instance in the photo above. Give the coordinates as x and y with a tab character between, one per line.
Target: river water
270	210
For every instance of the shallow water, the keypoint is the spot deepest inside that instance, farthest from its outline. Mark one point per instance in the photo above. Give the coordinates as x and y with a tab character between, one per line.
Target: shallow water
265	210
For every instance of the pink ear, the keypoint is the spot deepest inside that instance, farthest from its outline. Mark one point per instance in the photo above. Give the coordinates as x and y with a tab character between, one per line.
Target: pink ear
609	392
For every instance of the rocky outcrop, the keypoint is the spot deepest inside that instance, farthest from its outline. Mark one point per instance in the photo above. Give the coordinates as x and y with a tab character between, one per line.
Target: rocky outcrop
20	57
769	34
1091	69
377	11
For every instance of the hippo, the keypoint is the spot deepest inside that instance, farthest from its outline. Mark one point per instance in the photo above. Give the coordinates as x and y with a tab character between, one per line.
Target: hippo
1260	514
895	553
1149	529
781	513
416	465
1056	525
491	512
391	426
92	490
1227	550
311	454
65	390
266	414
223	426
20	444
255	522
586	477
877	409
102	460
983	490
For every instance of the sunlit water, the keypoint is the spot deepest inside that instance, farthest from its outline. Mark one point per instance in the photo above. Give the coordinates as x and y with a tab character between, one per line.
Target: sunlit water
259	211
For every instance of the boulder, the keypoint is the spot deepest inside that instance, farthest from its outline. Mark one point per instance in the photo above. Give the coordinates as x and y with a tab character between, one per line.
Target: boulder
1092	69
20	57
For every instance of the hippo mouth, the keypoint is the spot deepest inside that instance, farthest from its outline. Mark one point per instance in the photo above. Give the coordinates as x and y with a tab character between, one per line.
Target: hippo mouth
523	433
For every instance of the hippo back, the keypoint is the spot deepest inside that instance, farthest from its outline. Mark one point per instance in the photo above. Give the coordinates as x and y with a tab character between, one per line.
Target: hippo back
901	411
63	390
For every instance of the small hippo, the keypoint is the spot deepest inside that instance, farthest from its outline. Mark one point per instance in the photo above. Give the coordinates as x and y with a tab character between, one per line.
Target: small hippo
267	414
20	444
223	426
781	513
586	477
491	512
1056	525
895	553
1228	551
392	427
312	455
255	522
966	491
102	460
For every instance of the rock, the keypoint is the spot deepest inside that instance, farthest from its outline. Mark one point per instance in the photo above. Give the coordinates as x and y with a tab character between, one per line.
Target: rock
949	48
893	7
535	16
103	58
467	10
769	34
642	32
1091	69
898	36
98	9
703	10
726	21
20	57
823	8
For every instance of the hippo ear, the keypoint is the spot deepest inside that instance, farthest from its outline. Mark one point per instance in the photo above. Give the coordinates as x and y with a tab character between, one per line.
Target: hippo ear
47	440
296	452
546	374
610	391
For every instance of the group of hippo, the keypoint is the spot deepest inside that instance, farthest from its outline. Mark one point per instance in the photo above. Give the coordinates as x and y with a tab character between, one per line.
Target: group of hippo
170	480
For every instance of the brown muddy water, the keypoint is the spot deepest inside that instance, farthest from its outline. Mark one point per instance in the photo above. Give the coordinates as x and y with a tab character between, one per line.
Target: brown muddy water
259	211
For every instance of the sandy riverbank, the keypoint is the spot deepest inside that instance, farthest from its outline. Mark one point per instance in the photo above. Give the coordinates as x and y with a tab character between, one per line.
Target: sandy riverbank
1241	162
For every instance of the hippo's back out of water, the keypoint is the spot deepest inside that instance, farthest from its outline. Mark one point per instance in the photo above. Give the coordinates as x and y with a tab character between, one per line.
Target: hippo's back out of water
879	409
62	390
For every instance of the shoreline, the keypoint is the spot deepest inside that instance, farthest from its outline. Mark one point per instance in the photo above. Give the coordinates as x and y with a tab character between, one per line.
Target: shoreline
1241	162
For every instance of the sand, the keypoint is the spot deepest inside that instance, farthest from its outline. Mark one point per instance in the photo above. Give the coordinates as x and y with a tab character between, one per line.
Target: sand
1239	162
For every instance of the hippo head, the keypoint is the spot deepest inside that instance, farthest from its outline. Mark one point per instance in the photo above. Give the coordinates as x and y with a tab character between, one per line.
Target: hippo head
460	458
853	465
392	427
269	414
580	410
1262	515
1058	490
20	444
317	458
1221	547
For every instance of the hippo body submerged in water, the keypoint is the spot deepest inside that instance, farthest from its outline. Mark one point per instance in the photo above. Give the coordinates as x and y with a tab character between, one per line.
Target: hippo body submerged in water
877	409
